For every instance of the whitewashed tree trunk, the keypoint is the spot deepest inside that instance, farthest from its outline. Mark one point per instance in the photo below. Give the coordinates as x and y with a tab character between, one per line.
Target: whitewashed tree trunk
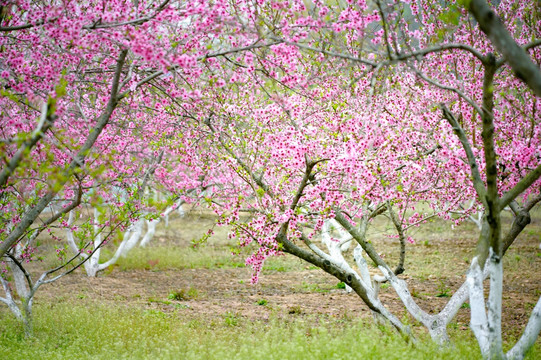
436	324
477	219
495	307
478	316
92	265
18	276
370	283
529	336
362	265
22	309
25	290
336	246
132	236
367	287
130	239
176	206
373	283
486	322
8	299
151	230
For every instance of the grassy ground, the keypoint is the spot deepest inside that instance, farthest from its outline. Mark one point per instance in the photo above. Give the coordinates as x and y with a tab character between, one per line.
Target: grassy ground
172	300
114	332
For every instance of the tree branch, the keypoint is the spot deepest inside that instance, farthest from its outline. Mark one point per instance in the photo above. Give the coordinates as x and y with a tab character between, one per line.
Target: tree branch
159	73
529	336
401	236
351	279
330	53
372	253
21	267
46	121
239	161
95	25
492	208
385	31
449	88
302	185
477	181
56	216
440	48
522	185
59	181
20	27
517	57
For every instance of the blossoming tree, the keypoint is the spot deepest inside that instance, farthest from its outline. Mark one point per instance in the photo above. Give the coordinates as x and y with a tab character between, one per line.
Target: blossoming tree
86	87
416	91
355	109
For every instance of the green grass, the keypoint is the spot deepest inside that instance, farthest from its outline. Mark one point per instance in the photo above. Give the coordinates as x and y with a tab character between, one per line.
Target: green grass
76	332
316	288
203	257
169	257
98	332
284	263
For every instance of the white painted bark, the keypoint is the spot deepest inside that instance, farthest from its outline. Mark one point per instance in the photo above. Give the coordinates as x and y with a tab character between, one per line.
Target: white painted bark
18	276
529	336
93	265
477	219
21	309
367	285
362	265
478	316
131	237
8	299
340	264
495	307
151	226
436	324
176	206
336	247
485	320
71	240
345	237
486	323
373	282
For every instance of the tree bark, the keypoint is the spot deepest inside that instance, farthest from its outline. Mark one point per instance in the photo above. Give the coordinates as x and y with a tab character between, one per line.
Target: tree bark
519	60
